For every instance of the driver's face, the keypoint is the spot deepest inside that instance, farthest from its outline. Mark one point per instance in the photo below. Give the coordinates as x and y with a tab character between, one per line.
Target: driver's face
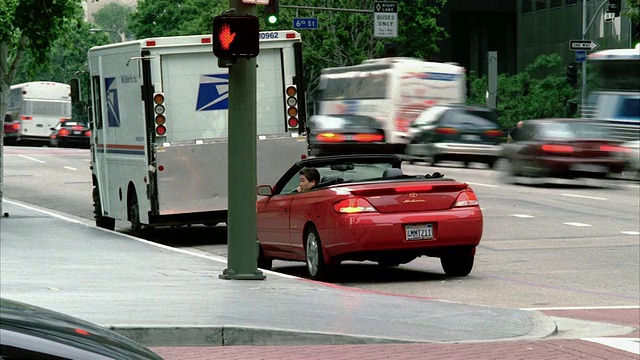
305	184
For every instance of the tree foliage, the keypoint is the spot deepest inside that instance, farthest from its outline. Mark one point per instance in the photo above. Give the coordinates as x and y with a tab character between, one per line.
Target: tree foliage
633	10
540	91
114	16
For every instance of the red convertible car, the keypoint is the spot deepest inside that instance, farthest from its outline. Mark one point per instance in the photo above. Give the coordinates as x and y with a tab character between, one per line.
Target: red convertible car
365	208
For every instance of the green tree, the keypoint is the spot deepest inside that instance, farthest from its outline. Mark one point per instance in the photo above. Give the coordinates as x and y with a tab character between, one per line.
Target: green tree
156	18
27	26
114	16
633	11
539	91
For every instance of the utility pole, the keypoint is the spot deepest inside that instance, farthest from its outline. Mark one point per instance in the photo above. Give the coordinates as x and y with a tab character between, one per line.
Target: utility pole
242	174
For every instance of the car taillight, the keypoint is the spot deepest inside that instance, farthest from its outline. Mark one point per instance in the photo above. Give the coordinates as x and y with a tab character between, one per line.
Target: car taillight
353	206
63	132
87	133
368	137
15	126
446	131
496	133
330	137
613	148
557	148
466	198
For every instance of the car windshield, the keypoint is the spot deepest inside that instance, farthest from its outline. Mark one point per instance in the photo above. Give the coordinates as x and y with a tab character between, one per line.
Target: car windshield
343	122
351	171
573	130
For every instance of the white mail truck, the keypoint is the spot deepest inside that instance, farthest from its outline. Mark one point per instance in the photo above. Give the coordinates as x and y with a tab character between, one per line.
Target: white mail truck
159	121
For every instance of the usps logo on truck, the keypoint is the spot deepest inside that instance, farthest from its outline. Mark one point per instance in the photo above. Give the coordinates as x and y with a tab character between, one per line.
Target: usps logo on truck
213	93
113	111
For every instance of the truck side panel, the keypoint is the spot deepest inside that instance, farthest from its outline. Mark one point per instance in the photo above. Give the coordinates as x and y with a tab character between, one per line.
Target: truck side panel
194	177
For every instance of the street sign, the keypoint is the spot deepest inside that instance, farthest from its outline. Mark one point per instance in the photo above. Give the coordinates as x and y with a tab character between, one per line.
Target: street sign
581	55
385	19
582	45
305	23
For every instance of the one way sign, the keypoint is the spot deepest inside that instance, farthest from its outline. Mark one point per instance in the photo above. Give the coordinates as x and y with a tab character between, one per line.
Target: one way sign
582	45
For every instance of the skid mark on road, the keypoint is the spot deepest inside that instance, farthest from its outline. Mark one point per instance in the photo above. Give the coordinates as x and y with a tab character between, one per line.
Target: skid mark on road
32	159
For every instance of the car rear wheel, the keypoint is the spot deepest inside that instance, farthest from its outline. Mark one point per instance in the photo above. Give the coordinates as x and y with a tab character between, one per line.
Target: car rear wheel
458	262
316	266
264	262
101	221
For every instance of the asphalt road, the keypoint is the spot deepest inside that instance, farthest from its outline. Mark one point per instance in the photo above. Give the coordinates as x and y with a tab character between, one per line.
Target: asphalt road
564	244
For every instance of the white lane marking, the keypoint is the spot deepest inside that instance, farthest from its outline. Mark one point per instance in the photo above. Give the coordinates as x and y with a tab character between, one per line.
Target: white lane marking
524	216
630	232
70	168
631	345
75	221
576	224
32	159
479	184
633	186
584	308
584	197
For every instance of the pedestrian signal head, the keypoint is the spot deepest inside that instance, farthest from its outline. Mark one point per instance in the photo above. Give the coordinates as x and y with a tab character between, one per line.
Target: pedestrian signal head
236	36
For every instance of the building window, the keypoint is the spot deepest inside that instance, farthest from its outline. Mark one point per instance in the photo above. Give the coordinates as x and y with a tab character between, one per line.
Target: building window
541	5
571	2
556	3
526	6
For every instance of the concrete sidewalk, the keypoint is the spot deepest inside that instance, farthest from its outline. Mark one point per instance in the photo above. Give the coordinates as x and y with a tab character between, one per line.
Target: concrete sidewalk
161	296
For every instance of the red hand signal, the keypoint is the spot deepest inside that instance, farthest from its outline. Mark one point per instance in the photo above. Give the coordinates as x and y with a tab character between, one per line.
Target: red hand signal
226	37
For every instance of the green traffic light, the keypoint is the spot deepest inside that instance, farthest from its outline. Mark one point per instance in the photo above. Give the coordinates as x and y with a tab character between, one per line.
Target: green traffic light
272	19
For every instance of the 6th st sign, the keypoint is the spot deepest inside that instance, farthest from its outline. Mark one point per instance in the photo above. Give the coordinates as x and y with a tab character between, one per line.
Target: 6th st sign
576	45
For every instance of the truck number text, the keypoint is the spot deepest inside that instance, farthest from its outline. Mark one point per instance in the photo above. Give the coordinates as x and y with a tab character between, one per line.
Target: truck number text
269	35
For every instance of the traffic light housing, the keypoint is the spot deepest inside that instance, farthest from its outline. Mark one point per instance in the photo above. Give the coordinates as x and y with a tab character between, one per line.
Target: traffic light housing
390	50
272	12
614	7
572	74
236	36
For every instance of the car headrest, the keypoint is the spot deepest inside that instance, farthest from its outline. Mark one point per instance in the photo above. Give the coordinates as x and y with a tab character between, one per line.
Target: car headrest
328	178
392	173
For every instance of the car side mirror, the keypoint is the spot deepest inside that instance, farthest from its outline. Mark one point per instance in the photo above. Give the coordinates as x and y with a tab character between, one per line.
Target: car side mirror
264	190
52	128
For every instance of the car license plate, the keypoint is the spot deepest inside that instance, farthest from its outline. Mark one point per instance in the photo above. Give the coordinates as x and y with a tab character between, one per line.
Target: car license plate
419	232
77	132
471	137
589	168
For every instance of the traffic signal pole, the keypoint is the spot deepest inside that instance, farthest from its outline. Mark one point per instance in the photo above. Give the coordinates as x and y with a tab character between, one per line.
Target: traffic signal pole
584	63
242	174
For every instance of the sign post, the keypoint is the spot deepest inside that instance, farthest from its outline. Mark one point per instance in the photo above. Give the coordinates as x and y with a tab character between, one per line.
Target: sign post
242	229
385	19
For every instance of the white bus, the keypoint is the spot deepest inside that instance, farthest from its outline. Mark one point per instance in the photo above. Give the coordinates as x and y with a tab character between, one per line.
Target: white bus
615	91
392	90
34	108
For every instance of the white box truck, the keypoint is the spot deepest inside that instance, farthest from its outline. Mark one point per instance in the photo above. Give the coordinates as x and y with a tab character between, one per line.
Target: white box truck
159	121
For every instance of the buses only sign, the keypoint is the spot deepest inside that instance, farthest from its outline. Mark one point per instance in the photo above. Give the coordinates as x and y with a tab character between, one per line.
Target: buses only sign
385	19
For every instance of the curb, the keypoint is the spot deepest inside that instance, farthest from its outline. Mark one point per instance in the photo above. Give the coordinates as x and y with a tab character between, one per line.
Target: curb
227	335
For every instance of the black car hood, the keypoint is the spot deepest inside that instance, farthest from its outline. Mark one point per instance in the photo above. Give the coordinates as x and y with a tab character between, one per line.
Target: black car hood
55	326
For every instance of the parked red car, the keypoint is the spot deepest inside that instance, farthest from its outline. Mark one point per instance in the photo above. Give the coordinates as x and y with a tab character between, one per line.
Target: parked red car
365	208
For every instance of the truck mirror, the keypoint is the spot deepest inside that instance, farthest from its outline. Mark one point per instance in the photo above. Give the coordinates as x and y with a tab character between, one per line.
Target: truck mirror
75	90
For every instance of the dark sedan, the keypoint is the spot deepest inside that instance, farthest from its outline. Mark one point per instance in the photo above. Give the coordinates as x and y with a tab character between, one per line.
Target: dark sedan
345	134
31	332
564	148
70	133
455	133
